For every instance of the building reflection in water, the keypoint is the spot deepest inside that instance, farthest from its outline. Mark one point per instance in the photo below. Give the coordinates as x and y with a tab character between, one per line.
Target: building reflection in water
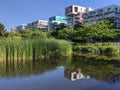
75	74
113	78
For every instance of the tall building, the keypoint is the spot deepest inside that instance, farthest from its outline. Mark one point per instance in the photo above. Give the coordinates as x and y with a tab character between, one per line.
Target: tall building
111	12
55	21
74	14
21	27
39	24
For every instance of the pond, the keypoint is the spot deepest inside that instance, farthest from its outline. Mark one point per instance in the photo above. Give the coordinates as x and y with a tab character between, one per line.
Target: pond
72	73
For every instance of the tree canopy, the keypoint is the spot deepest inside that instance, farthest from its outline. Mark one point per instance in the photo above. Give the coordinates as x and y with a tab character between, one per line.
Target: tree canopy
100	31
2	30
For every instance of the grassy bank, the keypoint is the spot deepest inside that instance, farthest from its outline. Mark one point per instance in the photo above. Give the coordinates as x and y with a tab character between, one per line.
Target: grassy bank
90	56
98	48
12	49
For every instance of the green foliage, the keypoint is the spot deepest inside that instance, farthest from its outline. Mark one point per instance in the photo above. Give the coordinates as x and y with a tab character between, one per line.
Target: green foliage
81	35
100	31
64	34
2	30
111	21
62	26
34	33
33	48
78	25
97	48
103	30
117	38
111	50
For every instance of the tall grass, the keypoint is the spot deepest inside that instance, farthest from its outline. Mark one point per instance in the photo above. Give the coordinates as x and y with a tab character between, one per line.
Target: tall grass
12	49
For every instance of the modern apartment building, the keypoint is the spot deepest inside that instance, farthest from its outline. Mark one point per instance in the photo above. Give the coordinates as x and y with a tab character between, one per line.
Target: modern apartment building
21	27
74	14
55	21
39	24
112	11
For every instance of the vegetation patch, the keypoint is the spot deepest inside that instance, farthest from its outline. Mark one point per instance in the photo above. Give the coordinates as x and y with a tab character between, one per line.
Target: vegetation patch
107	49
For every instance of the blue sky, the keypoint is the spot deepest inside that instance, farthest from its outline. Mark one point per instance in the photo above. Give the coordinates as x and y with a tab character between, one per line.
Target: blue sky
15	12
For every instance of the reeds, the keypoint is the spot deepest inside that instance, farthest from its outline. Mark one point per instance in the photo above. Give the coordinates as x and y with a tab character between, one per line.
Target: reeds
33	48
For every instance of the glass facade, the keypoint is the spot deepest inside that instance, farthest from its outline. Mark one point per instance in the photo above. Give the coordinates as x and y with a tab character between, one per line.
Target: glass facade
58	19
55	21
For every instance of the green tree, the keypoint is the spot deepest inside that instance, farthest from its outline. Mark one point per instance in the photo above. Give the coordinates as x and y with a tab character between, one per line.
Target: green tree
100	31
78	25
103	30
80	35
111	21
65	33
2	30
62	26
54	33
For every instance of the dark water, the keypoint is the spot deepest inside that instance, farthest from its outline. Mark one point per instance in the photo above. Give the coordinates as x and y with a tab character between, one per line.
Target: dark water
74	73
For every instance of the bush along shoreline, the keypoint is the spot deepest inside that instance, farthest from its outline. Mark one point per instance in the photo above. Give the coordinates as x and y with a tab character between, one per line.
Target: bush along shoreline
97	48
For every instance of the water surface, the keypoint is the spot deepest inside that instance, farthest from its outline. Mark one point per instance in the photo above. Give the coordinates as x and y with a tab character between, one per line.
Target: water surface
75	73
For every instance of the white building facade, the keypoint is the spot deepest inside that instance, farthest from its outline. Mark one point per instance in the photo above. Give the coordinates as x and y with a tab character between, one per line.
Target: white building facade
39	24
21	27
109	12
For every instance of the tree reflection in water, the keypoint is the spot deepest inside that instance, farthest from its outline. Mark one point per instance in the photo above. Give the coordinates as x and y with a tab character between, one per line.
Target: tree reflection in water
76	67
100	69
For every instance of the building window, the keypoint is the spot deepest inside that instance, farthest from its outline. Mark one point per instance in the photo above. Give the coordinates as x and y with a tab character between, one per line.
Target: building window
69	9
100	11
109	9
116	8
76	9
